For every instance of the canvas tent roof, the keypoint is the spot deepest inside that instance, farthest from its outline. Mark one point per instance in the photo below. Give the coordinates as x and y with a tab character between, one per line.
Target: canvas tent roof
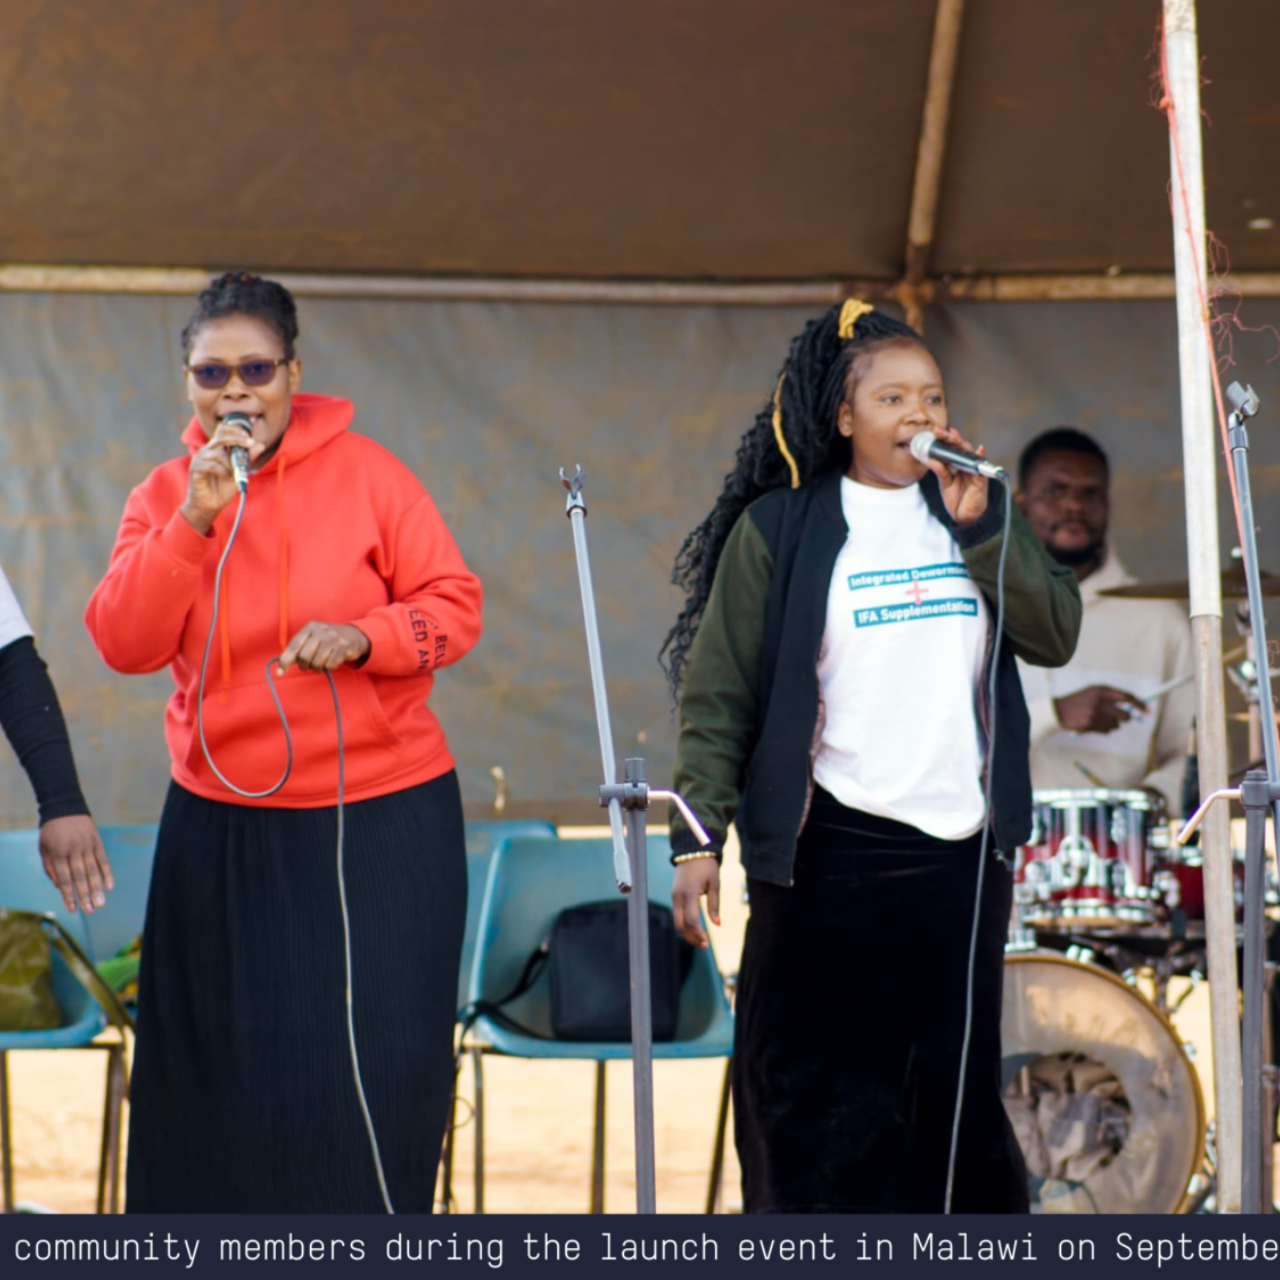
721	140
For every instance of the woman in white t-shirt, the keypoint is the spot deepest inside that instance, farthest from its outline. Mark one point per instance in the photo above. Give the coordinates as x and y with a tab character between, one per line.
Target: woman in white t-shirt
833	666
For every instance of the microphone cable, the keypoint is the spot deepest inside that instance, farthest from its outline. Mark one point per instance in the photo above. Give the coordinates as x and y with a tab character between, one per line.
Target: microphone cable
983	848
243	486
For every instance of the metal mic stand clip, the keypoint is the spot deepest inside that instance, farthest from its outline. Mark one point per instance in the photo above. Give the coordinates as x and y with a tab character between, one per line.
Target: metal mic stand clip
1258	794
627	800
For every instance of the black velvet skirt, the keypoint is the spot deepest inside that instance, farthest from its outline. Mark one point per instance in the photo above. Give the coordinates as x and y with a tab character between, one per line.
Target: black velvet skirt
243	1095
850	1021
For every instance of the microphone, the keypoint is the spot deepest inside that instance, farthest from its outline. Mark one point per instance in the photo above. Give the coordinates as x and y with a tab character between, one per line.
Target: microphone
239	454
926	446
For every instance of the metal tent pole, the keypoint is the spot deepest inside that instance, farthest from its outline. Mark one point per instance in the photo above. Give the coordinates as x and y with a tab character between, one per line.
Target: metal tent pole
1199	447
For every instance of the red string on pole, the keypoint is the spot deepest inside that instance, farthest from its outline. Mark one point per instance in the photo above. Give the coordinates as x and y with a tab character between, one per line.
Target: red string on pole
1207	316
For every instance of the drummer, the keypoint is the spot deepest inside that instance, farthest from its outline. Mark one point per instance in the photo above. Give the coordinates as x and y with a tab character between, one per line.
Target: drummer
1093	723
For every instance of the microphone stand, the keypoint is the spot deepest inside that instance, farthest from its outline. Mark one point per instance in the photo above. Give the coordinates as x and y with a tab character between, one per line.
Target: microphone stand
1258	794
627	803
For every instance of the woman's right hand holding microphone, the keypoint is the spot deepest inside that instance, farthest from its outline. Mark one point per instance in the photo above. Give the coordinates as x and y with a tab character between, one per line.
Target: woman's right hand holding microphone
211	482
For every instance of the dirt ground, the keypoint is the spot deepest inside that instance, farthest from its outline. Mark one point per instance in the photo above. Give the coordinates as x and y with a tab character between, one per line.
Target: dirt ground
538	1120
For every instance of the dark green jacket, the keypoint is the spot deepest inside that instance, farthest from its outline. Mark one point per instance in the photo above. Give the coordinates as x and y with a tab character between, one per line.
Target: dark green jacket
749	707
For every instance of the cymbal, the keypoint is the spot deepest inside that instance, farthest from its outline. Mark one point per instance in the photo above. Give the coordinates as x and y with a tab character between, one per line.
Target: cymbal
1232	581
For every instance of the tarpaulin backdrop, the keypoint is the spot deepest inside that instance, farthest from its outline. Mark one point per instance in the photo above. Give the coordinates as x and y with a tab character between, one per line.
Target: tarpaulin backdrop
485	401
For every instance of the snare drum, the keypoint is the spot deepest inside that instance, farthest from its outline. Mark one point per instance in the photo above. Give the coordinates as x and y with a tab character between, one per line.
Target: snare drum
1089	862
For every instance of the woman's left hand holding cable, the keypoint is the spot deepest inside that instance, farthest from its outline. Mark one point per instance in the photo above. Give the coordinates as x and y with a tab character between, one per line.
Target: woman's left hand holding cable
324	646
965	494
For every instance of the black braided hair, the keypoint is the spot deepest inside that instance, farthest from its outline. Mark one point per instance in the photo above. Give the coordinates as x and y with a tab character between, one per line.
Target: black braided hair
816	381
241	293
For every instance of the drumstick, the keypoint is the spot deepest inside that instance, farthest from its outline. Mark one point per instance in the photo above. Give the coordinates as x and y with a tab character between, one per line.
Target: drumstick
1168	687
1093	777
1178	681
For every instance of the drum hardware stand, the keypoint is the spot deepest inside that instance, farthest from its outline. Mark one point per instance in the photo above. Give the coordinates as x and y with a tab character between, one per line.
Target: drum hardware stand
1132	966
1258	793
1162	971
1161	974
1206	1181
1194	979
628	799
1021	937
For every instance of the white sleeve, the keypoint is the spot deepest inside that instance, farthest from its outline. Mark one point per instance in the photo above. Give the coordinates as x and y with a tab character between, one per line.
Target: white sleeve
1038	692
13	622
1176	712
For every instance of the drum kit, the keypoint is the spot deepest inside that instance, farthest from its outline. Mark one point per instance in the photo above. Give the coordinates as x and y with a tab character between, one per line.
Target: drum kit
1108	911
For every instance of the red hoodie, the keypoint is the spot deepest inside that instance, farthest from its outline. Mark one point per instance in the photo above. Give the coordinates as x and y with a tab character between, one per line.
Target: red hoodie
336	529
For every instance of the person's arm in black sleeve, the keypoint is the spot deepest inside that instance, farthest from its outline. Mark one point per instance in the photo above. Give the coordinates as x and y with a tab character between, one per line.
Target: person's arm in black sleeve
32	719
33	723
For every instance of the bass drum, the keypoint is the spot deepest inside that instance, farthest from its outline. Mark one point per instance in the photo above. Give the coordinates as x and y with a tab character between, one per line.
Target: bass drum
1106	1104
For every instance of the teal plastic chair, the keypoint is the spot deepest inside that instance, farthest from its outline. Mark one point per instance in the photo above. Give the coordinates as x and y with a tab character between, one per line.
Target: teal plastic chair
482	839
530	883
25	887
131	850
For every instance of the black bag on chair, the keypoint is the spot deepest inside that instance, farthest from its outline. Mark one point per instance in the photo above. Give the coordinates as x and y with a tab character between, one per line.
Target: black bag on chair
588	955
590	982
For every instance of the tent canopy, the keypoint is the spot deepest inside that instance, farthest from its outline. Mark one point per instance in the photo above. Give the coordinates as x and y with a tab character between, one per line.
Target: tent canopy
713	140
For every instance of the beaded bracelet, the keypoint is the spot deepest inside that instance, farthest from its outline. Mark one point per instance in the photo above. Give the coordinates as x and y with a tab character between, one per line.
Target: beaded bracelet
692	857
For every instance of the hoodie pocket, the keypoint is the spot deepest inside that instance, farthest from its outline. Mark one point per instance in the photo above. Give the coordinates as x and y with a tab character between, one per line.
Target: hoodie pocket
248	743
363	695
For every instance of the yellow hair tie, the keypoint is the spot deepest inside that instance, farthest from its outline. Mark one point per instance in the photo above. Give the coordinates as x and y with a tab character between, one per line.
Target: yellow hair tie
780	438
852	311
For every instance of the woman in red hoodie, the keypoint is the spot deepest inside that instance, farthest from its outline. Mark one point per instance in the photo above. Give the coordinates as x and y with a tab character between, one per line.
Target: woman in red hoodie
253	1090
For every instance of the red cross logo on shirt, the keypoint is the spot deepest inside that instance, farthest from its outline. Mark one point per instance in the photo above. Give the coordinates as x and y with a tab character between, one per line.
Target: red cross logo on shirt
917	592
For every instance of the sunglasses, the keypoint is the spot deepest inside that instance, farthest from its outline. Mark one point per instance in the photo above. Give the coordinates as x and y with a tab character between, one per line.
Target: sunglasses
253	373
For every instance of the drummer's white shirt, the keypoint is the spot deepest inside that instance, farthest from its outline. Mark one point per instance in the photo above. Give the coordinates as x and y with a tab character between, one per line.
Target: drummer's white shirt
1134	645
899	668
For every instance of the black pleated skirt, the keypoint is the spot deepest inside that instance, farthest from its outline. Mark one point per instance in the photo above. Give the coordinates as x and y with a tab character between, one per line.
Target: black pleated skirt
850	1019
243	1095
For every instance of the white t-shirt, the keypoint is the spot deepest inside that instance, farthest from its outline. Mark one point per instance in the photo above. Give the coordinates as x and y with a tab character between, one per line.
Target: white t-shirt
13	622
900	666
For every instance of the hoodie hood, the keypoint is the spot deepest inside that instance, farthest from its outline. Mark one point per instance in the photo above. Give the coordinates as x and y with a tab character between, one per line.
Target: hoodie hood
313	423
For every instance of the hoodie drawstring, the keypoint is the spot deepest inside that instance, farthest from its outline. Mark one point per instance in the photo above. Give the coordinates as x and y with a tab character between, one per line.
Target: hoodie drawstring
284	554
224	613
224	619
